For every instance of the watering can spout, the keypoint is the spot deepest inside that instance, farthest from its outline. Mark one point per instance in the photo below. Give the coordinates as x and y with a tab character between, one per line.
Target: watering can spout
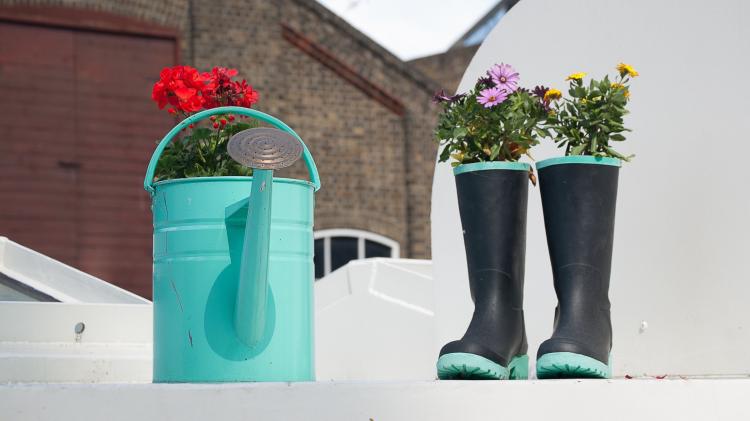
252	289
263	150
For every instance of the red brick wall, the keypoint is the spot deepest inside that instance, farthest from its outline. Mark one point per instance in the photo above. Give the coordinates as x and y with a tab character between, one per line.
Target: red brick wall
375	158
78	131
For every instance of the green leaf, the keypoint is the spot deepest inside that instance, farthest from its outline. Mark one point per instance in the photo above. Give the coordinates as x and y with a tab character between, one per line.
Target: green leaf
460	132
494	151
445	154
577	150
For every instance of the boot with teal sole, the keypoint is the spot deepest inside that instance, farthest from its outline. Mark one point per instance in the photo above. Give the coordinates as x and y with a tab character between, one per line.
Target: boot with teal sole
492	199
578	199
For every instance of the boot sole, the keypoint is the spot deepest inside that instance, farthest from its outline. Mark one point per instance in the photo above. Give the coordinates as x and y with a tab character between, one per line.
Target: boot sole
568	365
465	366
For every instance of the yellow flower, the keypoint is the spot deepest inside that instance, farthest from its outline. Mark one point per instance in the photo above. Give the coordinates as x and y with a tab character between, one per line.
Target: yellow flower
552	94
576	76
626	69
616	85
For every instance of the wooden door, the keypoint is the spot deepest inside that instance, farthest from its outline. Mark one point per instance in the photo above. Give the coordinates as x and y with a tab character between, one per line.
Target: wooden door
77	128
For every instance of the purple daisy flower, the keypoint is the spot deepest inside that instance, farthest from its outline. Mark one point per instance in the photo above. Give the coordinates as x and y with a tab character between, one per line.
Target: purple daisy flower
491	97
456	98
540	90
505	77
440	96
484	82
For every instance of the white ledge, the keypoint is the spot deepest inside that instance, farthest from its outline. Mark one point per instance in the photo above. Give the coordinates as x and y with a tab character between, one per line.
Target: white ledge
699	399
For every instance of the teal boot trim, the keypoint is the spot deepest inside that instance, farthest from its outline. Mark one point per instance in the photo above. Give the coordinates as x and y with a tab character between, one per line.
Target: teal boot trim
567	365
519	368
465	366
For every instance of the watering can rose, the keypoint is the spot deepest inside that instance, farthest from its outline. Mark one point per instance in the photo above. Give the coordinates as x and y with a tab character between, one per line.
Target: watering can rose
202	152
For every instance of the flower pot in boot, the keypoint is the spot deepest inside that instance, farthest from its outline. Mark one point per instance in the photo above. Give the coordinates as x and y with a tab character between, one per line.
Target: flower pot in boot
492	199
486	131
578	198
579	192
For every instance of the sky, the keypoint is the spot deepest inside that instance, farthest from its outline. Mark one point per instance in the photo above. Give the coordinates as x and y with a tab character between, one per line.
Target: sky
411	28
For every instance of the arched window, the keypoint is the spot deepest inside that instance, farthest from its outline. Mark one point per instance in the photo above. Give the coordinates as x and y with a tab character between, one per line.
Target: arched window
336	247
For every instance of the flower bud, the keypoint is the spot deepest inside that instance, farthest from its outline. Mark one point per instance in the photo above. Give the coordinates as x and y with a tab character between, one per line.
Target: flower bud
216	125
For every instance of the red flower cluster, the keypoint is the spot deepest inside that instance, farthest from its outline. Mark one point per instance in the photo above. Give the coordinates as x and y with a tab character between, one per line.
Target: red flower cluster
189	91
224	91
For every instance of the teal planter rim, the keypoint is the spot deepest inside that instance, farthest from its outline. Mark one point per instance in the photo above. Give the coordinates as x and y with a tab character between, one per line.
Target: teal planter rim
172	181
579	159
148	180
492	165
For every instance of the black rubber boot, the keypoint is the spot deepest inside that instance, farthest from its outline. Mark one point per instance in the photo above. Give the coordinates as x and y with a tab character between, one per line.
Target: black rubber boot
579	216
492	204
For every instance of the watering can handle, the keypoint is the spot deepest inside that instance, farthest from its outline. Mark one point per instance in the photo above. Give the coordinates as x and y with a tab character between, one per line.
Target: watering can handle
148	182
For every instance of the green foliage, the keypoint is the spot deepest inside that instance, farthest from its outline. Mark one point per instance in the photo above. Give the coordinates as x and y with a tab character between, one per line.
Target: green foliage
592	118
468	132
202	153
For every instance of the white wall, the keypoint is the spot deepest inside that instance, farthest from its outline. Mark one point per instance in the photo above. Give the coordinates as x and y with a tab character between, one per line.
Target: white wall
682	231
374	320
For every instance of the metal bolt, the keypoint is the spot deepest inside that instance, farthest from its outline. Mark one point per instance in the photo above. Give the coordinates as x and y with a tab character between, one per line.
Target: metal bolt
80	327
644	326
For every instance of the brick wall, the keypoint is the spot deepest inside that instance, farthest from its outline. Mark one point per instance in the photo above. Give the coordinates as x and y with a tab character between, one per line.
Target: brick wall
446	68
375	157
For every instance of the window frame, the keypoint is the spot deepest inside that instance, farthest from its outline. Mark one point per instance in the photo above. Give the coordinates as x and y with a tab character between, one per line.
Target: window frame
361	237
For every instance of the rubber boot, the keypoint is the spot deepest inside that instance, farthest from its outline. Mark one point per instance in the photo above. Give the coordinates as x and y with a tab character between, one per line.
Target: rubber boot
578	199
492	204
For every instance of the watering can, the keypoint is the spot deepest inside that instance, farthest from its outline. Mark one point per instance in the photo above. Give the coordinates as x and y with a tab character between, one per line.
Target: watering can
233	294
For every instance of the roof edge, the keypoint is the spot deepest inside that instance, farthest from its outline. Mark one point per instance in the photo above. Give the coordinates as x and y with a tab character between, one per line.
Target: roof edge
423	81
501	4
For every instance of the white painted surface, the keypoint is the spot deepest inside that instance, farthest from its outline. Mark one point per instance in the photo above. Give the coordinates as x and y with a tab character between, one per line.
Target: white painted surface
374	320
38	342
682	232
58	280
384	401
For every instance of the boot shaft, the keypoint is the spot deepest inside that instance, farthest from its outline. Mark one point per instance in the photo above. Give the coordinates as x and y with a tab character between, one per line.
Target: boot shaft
492	204
579	201
579	214
493	207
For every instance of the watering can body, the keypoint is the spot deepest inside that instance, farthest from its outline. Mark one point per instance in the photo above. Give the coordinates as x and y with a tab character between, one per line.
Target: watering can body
199	230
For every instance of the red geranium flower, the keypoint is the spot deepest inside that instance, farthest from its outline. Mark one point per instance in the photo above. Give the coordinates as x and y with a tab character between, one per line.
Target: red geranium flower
180	86
189	91
246	95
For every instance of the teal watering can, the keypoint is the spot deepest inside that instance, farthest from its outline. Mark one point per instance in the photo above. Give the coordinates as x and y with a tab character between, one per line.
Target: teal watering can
233	294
